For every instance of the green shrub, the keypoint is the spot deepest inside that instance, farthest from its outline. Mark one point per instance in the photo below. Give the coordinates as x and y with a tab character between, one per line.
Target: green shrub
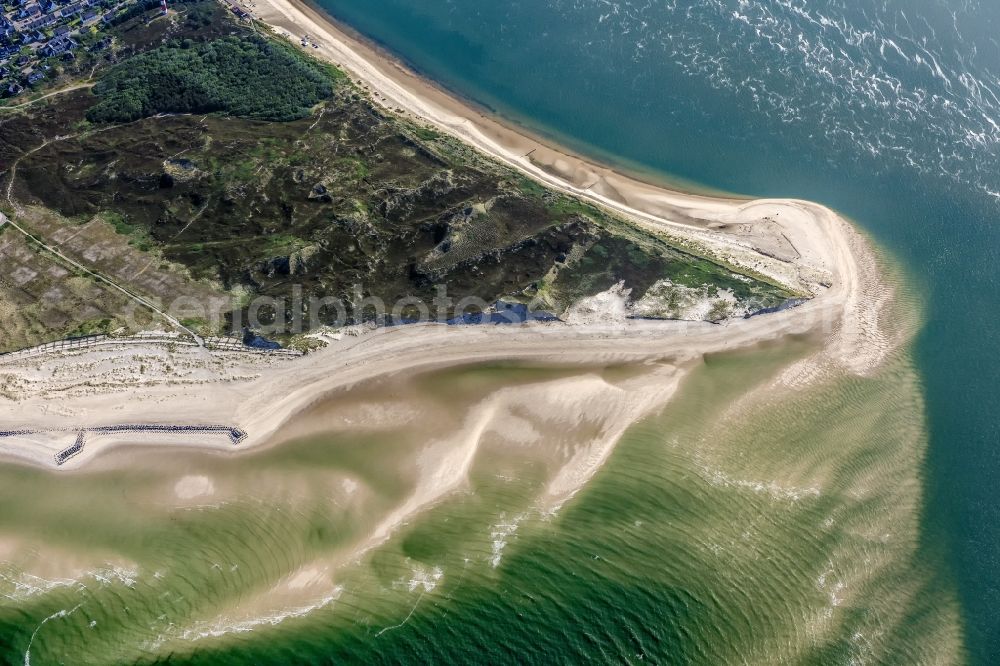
245	76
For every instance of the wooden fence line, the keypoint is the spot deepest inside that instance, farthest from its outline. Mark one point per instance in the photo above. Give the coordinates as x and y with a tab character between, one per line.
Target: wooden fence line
234	344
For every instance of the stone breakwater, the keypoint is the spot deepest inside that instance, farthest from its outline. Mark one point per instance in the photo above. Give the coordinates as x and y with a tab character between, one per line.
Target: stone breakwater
71	450
236	436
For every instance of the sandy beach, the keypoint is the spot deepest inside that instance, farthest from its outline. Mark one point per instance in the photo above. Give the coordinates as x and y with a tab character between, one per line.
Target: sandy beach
803	245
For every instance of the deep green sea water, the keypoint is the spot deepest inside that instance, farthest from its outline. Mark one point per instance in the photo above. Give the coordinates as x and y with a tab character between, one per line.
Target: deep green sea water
887	110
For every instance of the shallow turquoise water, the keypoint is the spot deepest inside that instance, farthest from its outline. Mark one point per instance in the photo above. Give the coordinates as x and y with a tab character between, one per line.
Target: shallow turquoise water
887	110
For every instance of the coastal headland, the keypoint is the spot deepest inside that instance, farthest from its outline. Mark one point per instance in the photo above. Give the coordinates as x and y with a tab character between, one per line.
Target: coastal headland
702	409
804	246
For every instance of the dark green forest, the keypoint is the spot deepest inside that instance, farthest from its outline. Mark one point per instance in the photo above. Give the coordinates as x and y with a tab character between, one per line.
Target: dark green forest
246	76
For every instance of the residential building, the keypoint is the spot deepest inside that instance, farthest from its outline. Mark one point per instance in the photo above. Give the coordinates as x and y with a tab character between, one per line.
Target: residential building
57	46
